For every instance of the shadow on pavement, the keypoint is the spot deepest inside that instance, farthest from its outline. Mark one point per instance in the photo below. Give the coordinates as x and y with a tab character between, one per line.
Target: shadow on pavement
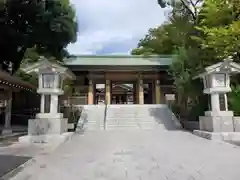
10	162
162	117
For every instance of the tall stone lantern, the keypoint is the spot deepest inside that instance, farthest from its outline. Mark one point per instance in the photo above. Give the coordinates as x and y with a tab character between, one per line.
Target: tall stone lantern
216	79
49	122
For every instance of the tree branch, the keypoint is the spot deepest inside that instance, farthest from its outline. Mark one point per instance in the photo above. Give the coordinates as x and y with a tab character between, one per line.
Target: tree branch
185	4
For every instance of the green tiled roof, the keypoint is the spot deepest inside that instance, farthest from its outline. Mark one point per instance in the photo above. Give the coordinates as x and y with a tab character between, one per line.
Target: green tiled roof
115	60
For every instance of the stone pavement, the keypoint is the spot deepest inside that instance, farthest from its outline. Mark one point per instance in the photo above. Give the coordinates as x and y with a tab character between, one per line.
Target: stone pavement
137	155
13	154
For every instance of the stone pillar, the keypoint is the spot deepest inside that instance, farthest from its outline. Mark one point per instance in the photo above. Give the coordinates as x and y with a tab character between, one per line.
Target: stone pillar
54	104
42	107
226	102
215	102
157	92
56	81
8	114
108	94
90	92
140	91
40	81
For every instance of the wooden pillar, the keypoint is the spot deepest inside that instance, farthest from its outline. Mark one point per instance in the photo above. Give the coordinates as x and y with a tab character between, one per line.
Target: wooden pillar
90	92
135	93
153	88
140	91
157	92
108	96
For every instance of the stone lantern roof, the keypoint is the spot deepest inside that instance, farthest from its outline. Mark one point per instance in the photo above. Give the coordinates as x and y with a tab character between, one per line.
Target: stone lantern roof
44	63
226	66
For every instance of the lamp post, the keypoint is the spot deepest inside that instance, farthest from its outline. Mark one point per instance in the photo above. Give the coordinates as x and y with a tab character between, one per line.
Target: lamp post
216	80
50	86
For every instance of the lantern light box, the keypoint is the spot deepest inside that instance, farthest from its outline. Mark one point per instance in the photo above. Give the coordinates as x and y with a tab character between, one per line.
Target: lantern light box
216	78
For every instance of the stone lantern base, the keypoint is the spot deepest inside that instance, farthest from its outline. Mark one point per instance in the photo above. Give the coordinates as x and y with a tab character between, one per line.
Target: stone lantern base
217	121
46	130
47	138
220	126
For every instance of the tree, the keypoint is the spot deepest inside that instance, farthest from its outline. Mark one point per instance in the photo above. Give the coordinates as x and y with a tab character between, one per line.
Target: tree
157	41
174	33
189	6
43	25
175	37
220	26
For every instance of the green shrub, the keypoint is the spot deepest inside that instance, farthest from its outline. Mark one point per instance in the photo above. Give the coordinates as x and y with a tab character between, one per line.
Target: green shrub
234	100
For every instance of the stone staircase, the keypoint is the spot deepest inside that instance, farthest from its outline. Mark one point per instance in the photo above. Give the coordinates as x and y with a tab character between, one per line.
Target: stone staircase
123	117
140	117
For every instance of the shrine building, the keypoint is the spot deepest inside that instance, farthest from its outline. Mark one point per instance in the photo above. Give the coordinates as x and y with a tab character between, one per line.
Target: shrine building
118	79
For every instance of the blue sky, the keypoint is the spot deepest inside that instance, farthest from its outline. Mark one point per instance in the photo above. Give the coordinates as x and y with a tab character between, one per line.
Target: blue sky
113	26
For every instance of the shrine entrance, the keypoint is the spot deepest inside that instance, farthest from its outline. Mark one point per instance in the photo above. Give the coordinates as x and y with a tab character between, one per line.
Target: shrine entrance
123	79
122	93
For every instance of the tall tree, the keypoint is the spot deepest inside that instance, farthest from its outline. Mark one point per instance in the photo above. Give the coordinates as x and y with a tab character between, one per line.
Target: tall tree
189	6
175	37
46	25
220	26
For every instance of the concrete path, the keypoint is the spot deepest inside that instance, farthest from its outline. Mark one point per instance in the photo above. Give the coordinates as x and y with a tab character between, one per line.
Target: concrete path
14	154
137	155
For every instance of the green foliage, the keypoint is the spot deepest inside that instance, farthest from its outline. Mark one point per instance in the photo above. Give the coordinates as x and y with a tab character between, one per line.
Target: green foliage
189	7
201	33
157	41
43	25
30	78
234	100
220	25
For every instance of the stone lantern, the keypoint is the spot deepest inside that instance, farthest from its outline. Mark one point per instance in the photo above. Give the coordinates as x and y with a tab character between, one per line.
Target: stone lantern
216	79
49	121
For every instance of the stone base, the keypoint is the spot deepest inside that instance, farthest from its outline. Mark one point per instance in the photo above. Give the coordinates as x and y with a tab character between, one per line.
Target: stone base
56	139
55	126
221	136
6	132
216	123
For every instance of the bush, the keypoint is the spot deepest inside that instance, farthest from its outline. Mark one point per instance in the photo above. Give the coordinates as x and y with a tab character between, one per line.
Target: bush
193	111
234	100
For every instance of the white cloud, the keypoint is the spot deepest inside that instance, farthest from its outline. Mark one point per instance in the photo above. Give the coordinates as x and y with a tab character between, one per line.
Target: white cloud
122	22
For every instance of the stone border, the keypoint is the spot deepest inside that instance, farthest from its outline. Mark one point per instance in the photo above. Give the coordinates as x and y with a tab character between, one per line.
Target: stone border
221	136
18	169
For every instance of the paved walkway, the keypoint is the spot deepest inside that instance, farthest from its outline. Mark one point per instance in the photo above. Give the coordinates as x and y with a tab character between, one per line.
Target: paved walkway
137	155
13	154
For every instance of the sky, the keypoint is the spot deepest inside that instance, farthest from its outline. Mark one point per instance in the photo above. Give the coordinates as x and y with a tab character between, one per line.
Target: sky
113	26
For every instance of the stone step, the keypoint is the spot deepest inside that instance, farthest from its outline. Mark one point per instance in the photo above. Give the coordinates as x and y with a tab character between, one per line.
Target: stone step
121	127
124	124
123	117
